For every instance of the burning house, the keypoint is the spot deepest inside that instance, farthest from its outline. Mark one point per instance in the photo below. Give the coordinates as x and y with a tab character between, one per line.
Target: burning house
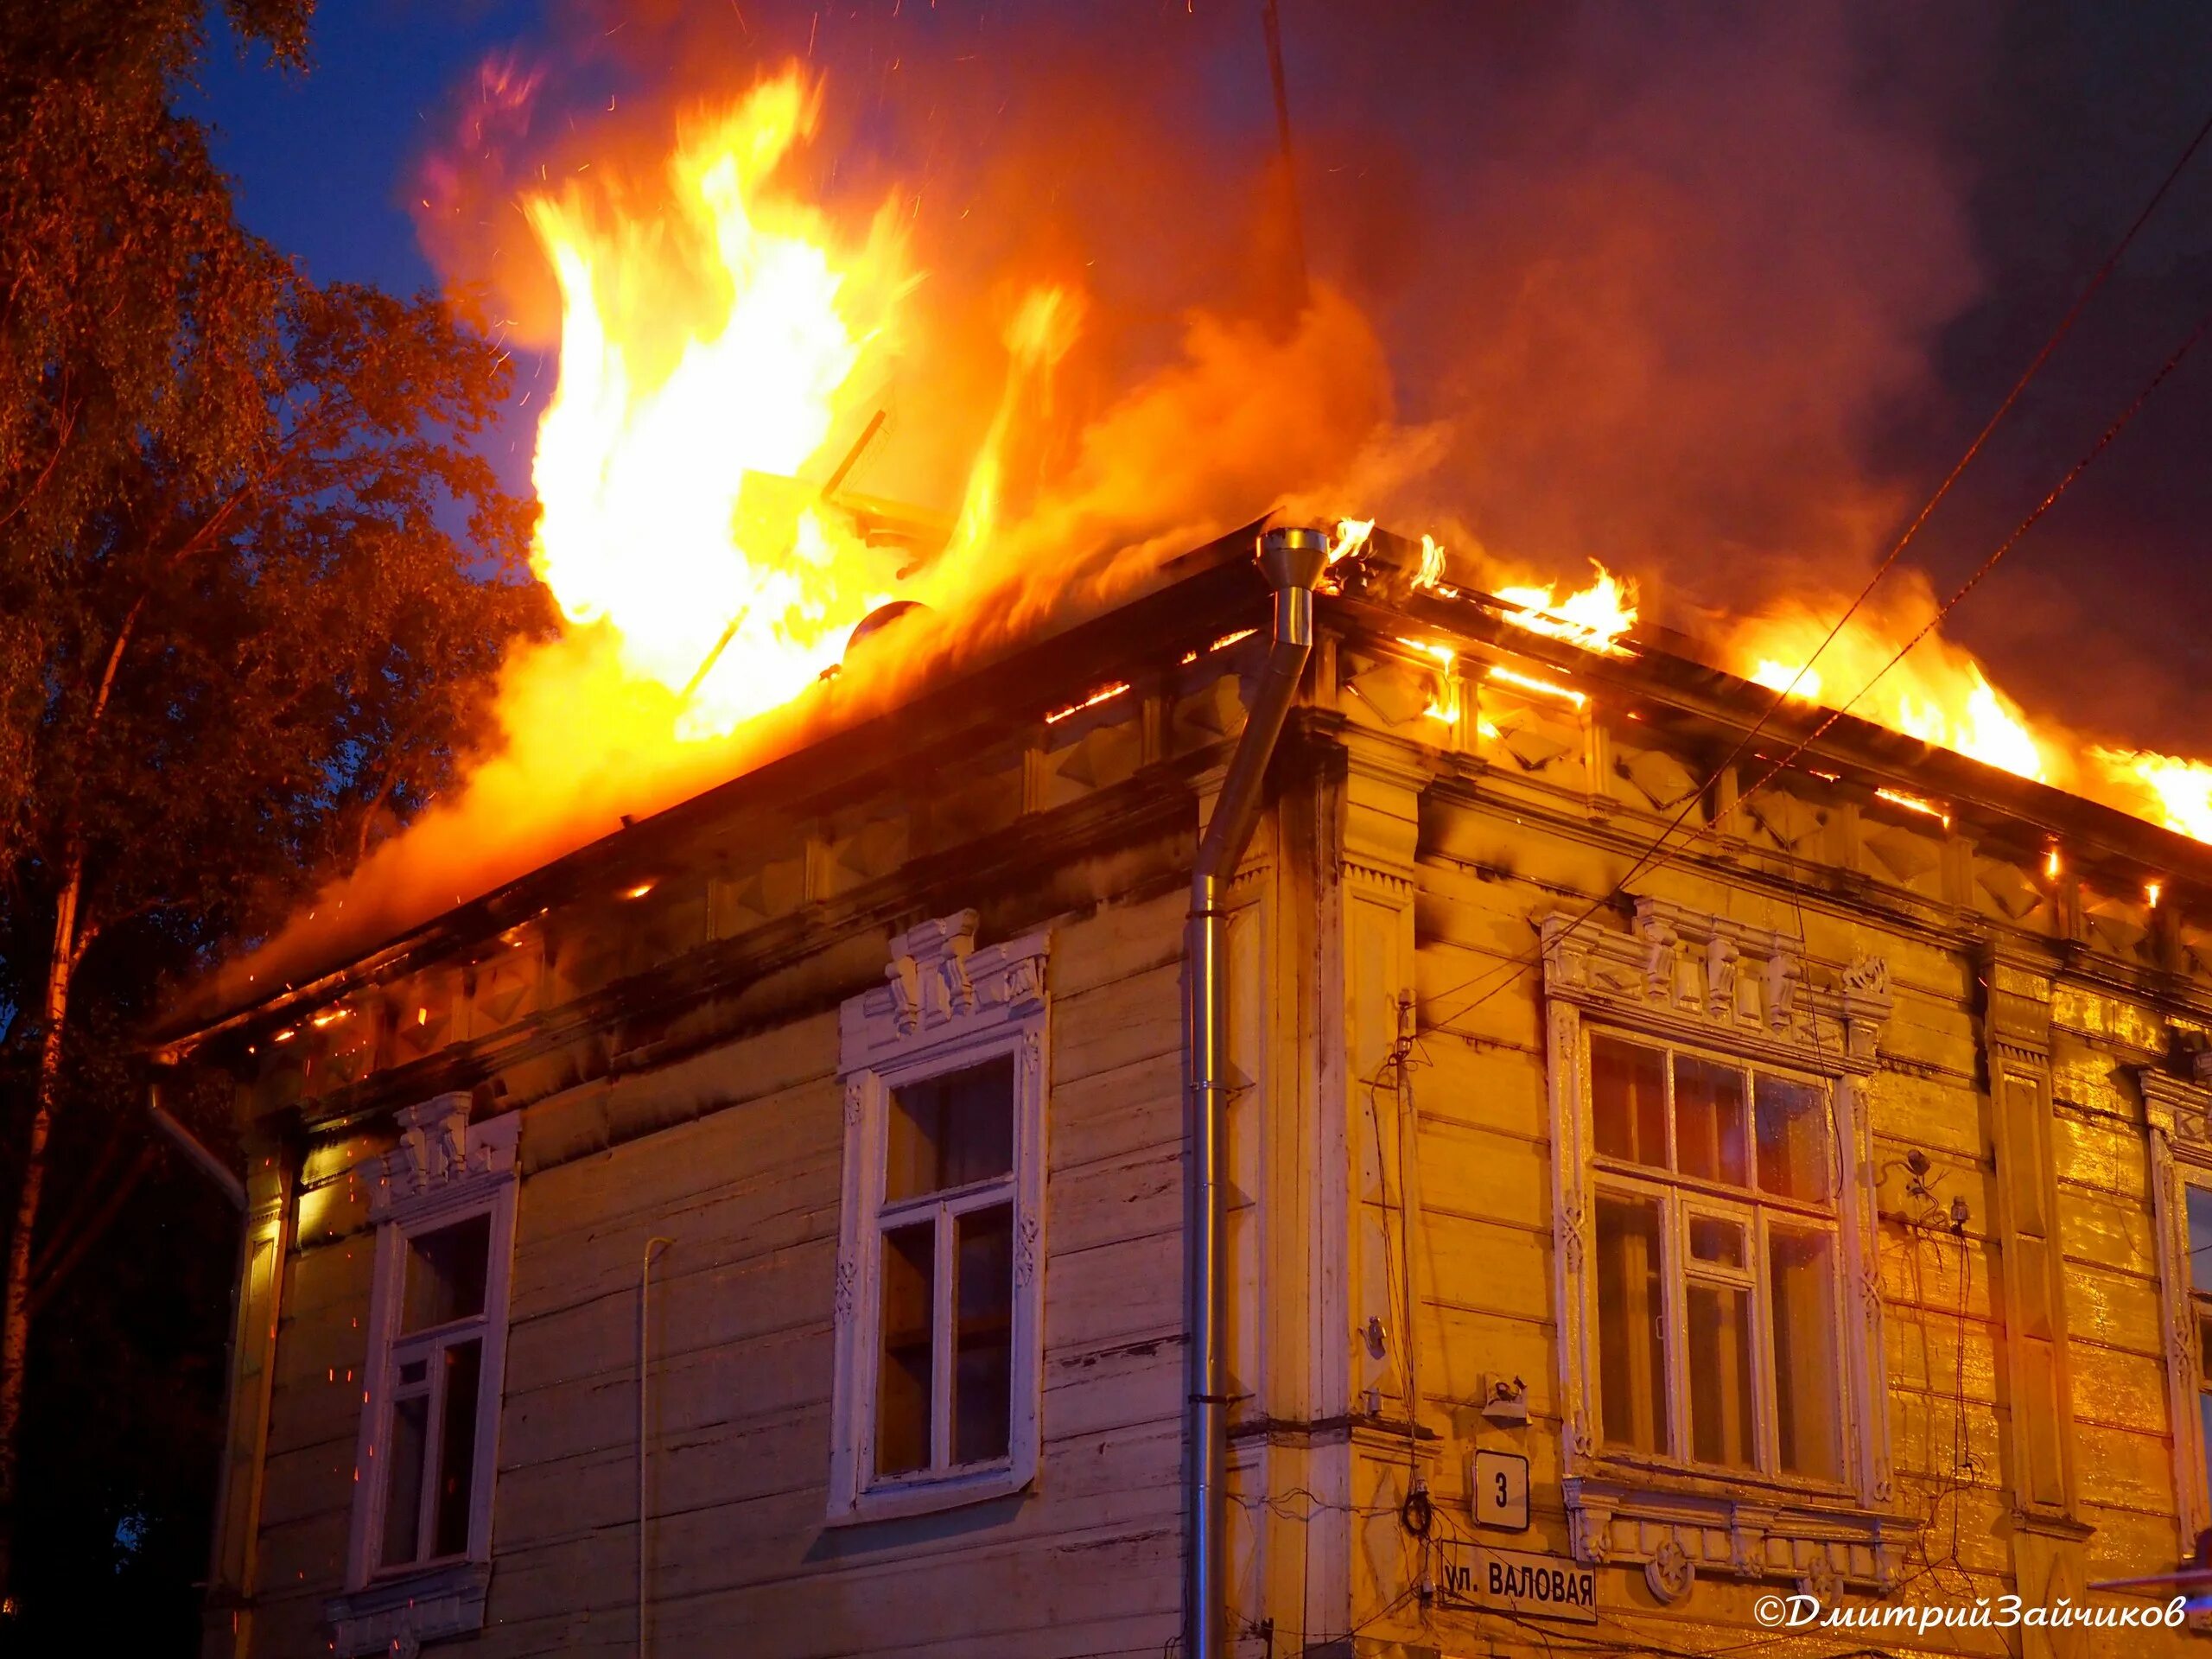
1286	1122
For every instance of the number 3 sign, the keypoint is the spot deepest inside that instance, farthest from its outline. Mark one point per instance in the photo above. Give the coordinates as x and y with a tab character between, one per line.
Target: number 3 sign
1501	1491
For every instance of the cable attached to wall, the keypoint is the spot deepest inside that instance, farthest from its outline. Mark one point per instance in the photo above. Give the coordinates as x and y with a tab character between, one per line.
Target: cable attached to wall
645	1335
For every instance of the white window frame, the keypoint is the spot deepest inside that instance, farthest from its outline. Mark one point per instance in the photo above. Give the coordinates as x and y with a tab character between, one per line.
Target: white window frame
1708	984
1680	1199
444	1171
2178	1115
946	1007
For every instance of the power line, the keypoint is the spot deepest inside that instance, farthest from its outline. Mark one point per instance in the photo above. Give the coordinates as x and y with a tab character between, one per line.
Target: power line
1657	852
2119	425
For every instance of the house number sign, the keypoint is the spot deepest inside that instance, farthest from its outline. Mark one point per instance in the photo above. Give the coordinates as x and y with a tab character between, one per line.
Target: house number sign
1500	1489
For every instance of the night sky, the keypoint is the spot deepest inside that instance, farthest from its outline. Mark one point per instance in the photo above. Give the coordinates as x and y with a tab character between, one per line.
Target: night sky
1696	284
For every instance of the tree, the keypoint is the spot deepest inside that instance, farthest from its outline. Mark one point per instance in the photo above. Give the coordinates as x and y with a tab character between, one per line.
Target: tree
252	577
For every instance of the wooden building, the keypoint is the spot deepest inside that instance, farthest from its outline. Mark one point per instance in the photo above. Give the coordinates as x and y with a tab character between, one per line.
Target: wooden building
766	1226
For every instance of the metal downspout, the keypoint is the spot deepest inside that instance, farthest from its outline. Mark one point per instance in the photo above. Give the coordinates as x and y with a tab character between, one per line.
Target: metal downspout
1293	561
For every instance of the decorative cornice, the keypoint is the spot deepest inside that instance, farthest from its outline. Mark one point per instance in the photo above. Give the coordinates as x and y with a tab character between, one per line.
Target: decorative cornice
1676	1535
1710	979
942	990
397	1616
442	1155
2182	1112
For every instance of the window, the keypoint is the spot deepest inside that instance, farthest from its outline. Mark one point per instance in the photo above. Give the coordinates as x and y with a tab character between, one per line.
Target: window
2178	1115
944	1379
443	1203
937	1294
1715	1234
433	1383
1720	1363
2198	1203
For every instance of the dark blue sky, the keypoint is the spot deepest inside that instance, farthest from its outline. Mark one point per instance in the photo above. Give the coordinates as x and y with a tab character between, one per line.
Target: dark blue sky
1823	237
321	159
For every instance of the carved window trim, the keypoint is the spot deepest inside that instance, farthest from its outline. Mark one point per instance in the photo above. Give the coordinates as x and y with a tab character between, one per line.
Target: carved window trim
945	1007
444	1170
1683	978
2178	1115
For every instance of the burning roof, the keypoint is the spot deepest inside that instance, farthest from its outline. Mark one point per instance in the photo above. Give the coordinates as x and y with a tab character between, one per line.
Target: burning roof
1468	647
727	351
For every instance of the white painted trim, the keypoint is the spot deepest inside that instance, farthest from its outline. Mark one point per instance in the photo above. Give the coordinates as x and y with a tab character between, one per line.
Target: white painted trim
945	1007
1697	982
2177	1117
444	1170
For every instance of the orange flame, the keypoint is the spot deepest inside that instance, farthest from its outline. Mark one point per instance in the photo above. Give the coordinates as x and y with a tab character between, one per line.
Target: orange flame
704	362
1595	617
2174	792
1938	693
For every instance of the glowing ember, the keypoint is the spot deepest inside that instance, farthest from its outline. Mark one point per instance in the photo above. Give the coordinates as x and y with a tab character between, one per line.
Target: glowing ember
1914	804
1541	688
706	359
1594	618
1104	693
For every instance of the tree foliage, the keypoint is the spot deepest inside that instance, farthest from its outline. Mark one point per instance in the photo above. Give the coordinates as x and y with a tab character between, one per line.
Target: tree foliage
252	576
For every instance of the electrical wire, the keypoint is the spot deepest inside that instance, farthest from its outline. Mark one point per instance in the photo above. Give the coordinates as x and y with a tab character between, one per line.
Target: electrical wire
1658	852
1655	854
2119	424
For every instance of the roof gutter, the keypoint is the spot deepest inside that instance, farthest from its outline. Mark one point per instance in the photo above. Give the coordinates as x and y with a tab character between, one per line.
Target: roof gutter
1293	561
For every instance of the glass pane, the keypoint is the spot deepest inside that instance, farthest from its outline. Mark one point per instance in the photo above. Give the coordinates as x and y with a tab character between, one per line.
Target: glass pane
2204	1420
903	1380
445	1273
1709	1120
2204	1348
1631	1325
464	1369
951	1130
1808	1376
403	1492
2200	1236
1717	1240
1628	1100
1720	1319
1792	1122
982	1374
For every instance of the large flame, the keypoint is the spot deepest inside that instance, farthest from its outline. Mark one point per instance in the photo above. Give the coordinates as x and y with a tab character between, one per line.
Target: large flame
1937	693
1593	617
709	355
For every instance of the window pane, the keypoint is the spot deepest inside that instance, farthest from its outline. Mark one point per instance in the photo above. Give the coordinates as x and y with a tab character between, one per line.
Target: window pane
1631	1331
464	1369
983	1376
2204	1420
1709	1120
903	1380
1628	1100
951	1130
1808	1381
403	1494
1717	1240
445	1273
2205	1346
2200	1236
1793	1135
1720	1319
